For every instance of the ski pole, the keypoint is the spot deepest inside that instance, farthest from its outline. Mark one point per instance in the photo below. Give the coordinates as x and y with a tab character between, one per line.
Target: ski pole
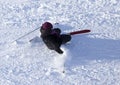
25	35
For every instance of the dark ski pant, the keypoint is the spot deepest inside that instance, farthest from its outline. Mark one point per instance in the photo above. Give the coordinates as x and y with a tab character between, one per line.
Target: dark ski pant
65	38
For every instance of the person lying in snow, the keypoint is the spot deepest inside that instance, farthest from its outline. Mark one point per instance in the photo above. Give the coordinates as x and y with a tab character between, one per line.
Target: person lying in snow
52	37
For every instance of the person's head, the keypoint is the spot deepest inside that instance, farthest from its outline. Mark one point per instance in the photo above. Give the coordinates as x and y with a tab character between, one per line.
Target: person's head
46	28
47	25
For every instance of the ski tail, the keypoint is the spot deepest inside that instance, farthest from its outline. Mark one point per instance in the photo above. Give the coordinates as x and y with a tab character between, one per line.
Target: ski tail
80	32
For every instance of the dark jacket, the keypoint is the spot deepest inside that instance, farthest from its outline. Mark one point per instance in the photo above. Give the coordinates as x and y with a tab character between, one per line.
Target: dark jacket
52	39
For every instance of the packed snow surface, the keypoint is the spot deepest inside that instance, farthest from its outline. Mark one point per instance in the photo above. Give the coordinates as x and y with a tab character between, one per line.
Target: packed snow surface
88	59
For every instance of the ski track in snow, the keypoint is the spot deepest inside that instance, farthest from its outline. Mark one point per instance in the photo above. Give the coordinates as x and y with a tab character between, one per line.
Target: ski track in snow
89	59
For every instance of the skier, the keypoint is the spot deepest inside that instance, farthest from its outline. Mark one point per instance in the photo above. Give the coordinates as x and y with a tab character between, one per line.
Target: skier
53	38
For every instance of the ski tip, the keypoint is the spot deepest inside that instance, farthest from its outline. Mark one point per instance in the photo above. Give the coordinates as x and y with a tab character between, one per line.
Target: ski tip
87	30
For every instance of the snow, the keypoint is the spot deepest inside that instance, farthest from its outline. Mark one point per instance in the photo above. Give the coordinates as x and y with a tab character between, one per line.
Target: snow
89	59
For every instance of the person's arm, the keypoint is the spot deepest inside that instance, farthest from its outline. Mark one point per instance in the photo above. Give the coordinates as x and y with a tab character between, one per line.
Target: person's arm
57	30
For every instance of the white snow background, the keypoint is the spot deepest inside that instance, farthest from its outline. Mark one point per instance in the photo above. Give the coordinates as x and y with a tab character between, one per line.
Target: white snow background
89	59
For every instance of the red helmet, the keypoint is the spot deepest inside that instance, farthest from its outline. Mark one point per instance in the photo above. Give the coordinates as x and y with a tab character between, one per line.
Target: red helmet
47	25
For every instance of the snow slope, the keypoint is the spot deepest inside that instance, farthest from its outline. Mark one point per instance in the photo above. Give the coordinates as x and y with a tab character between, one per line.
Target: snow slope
89	59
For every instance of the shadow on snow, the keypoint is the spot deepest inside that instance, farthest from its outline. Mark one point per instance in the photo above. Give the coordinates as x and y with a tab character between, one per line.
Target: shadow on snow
84	49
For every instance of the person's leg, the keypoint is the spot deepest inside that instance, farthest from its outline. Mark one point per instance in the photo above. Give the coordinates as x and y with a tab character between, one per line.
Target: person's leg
58	50
65	38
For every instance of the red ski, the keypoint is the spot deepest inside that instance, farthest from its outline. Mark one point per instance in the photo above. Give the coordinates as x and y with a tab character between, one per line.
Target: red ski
79	32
